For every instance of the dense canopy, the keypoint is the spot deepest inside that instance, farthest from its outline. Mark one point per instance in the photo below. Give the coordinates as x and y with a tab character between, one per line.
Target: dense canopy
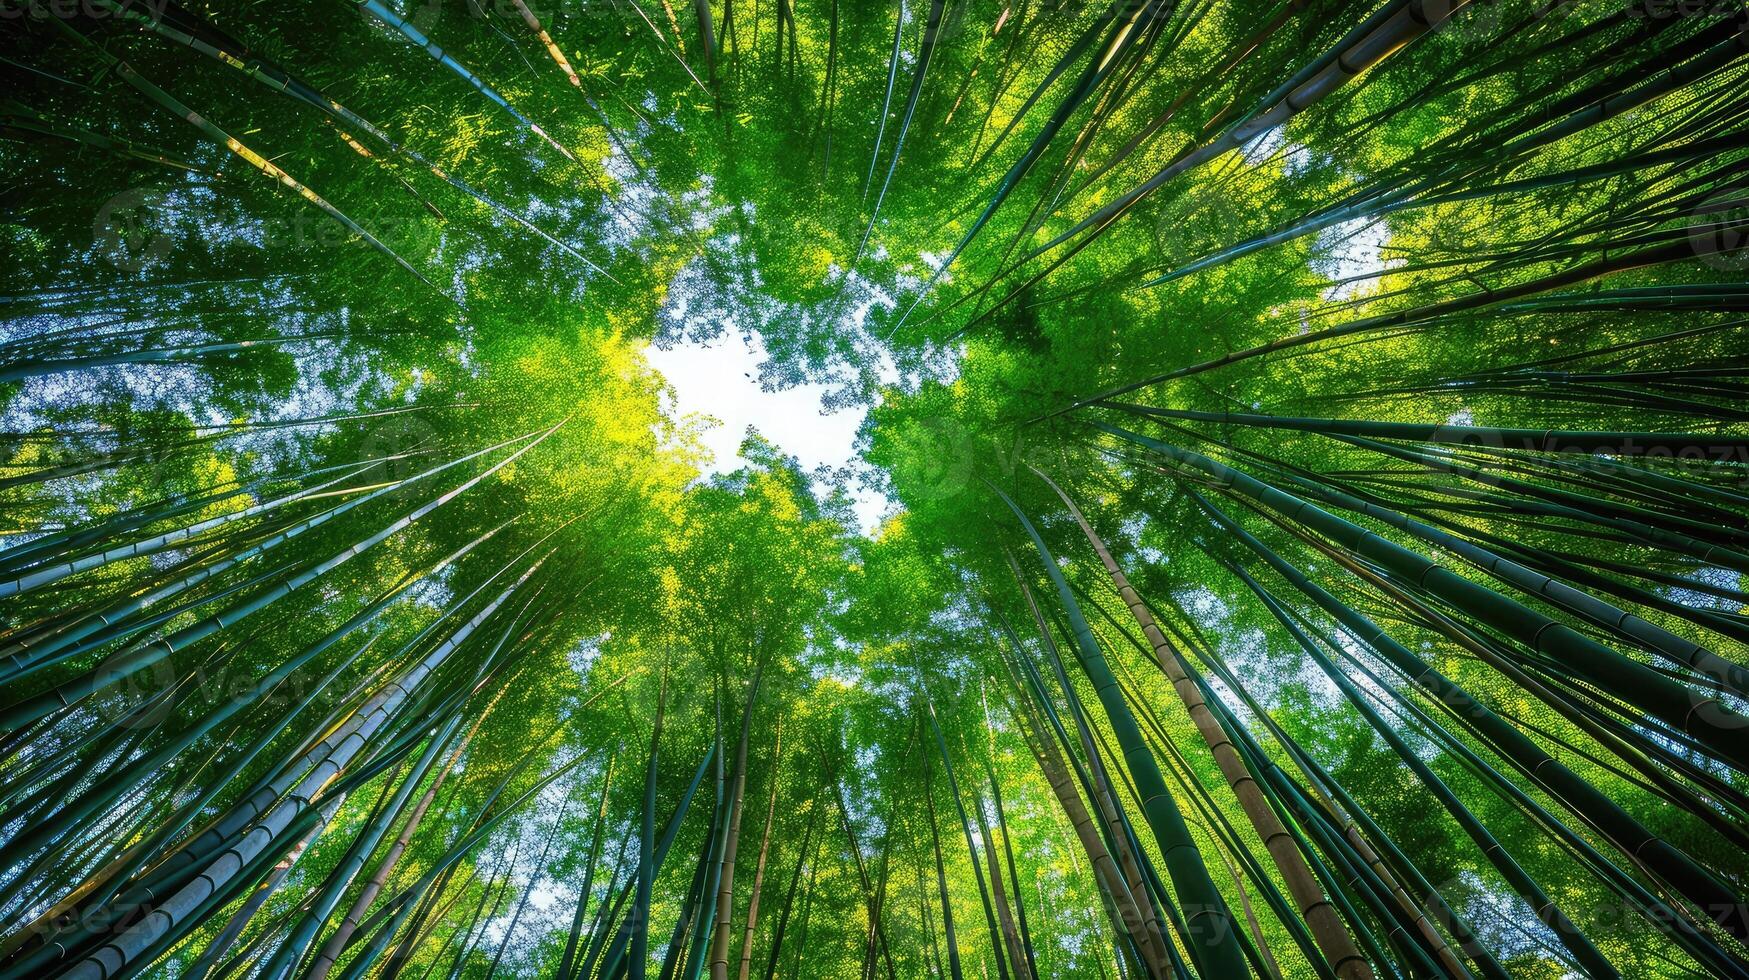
1314	440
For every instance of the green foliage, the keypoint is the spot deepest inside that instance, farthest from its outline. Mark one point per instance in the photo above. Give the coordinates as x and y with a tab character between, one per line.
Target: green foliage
1383	365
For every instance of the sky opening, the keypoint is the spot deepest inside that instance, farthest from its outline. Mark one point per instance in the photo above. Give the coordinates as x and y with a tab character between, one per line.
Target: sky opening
719	379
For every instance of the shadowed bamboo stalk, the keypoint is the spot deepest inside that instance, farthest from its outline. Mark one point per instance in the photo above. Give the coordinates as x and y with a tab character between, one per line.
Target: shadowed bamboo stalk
1705	717
1105	871
175	911
750	928
1210	924
1327	927
1098	787
1581	947
330	952
719	962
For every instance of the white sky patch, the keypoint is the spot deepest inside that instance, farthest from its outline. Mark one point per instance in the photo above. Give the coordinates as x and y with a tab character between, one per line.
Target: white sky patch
1264	145
809	399
718	379
1351	249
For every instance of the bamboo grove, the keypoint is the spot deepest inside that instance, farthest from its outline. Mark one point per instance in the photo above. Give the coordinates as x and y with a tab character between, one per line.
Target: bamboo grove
1316	436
